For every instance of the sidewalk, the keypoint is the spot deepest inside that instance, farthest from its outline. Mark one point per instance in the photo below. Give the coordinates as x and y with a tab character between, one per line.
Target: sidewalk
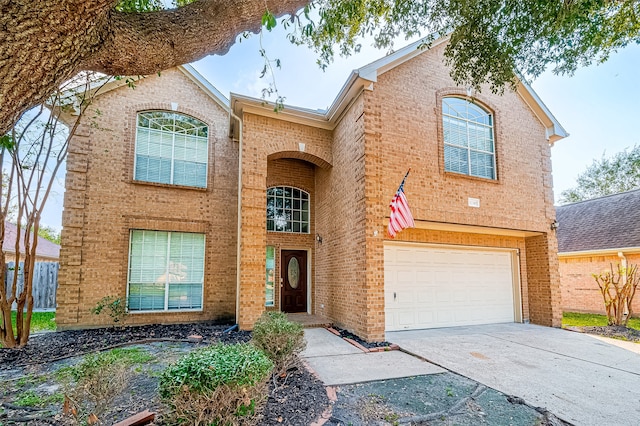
337	362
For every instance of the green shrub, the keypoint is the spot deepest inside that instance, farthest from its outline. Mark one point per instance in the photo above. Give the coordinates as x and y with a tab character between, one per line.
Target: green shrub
217	385
91	385
114	306
279	338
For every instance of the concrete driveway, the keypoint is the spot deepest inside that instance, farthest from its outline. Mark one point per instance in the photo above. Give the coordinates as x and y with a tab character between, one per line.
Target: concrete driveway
580	379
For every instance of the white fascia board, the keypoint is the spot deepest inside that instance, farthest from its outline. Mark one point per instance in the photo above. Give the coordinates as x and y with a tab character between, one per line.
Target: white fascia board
554	130
600	252
204	84
309	117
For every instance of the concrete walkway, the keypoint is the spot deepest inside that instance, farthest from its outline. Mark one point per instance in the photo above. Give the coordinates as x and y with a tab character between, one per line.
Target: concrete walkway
580	379
337	362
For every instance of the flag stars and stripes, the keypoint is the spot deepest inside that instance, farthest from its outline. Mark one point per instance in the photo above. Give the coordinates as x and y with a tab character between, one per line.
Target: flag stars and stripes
401	217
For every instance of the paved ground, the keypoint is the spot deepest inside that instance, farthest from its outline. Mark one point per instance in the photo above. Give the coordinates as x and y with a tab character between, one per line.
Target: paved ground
338	362
389	388
580	379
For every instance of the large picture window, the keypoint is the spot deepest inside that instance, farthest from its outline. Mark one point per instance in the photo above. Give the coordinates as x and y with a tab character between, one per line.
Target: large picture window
287	210
468	139
166	271
171	148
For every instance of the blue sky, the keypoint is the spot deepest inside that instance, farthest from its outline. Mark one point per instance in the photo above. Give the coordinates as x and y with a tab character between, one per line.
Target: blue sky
596	105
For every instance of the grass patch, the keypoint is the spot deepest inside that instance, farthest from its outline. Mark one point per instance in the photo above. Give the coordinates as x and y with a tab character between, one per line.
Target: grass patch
40	321
92	363
576	319
30	398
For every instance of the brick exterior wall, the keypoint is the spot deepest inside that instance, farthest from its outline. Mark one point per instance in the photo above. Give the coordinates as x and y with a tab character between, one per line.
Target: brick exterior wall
351	173
340	218
580	292
266	142
103	203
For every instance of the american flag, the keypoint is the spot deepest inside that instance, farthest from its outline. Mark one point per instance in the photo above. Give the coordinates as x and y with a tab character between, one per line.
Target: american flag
401	217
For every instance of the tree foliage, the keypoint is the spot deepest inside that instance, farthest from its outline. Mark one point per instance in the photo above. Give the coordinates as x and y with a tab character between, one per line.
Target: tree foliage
489	39
609	175
49	233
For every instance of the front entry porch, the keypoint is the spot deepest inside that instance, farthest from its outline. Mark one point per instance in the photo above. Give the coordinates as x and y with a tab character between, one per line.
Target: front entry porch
309	320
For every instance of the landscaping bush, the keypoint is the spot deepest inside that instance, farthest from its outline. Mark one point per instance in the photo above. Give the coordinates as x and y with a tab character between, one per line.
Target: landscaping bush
93	384
279	338
114	306
217	385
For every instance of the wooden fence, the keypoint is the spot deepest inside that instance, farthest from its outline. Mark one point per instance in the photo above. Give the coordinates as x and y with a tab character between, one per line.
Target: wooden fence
45	283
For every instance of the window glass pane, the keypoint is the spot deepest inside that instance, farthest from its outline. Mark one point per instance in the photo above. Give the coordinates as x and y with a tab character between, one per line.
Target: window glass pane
185	296
482	165
287	209
271	276
455	159
146	297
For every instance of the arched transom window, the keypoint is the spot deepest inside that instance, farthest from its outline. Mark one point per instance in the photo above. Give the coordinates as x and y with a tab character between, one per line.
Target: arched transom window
468	139
287	210
171	148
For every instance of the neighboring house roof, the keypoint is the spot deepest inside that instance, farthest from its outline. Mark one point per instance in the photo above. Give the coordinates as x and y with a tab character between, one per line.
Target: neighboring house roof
606	223
365	76
45	247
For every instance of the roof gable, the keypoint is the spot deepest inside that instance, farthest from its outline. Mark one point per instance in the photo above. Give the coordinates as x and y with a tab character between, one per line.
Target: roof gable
606	223
364	78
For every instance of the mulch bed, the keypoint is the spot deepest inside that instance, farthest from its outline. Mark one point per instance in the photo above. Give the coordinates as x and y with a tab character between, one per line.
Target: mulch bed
48	347
613	331
369	345
298	399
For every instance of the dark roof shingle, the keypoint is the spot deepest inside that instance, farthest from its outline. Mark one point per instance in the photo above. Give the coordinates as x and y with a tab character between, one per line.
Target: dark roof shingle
609	222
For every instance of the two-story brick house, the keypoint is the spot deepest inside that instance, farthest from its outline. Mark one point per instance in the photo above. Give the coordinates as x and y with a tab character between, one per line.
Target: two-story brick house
195	207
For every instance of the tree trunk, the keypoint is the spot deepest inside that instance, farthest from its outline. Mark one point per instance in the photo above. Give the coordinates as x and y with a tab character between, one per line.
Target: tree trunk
45	42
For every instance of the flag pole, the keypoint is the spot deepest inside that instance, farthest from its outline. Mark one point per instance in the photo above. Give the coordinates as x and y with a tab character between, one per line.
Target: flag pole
405	178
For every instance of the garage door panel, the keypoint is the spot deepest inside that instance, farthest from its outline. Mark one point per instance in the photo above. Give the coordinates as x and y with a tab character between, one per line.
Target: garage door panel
442	287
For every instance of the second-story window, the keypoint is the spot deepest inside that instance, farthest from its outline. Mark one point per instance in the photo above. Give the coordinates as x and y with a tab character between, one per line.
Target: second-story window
171	148
468	139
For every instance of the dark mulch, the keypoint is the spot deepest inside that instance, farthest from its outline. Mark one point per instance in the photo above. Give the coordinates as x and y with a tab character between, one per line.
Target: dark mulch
47	347
299	399
368	345
614	331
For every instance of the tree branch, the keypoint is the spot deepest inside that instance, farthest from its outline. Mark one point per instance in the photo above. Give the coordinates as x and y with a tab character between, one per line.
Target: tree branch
146	43
46	42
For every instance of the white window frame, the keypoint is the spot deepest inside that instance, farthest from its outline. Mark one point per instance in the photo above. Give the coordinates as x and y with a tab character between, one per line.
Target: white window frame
167	273
308	211
173	160
468	146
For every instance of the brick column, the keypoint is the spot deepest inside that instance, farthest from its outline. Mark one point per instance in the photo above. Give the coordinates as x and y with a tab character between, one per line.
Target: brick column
253	238
545	303
70	275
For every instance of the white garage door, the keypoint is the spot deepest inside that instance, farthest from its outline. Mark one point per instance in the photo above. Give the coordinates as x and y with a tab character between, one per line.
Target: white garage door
428	287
